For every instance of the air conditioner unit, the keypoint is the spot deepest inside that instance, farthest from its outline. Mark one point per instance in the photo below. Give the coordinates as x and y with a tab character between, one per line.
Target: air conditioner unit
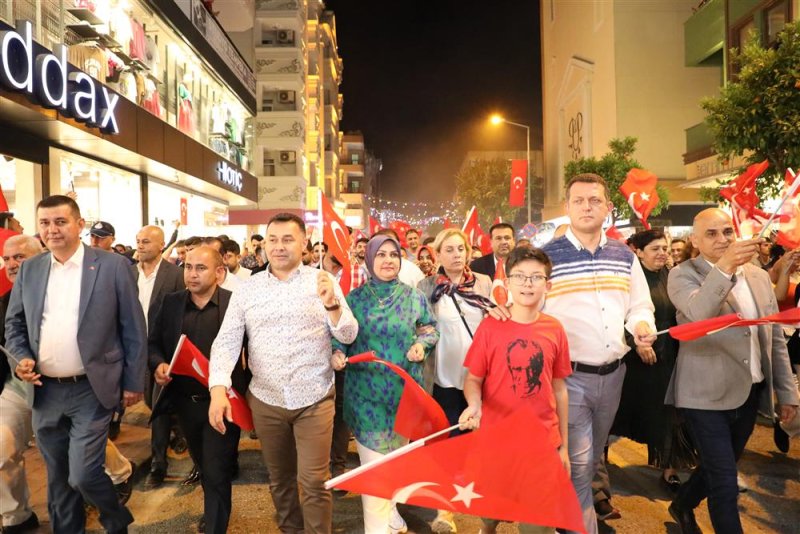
285	36
288	156
286	97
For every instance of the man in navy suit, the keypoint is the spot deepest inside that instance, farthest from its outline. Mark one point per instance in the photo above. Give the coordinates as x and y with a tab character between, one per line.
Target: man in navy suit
502	236
76	324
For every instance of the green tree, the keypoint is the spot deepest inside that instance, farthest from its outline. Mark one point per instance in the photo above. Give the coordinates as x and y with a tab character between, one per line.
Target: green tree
485	185
614	166
758	113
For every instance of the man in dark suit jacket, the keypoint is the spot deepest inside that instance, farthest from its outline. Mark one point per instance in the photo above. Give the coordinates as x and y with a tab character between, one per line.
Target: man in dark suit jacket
75	322
155	277
502	236
198	313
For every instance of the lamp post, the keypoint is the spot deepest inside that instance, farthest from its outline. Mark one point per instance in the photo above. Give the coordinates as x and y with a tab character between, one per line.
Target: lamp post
497	119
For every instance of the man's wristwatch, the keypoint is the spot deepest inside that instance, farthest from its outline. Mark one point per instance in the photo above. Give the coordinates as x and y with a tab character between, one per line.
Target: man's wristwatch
335	306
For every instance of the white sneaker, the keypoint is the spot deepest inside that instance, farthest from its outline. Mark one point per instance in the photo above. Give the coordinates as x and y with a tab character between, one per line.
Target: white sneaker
443	523
397	525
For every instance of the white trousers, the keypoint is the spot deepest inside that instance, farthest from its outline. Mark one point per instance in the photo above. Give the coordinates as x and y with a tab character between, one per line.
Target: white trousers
380	515
16	433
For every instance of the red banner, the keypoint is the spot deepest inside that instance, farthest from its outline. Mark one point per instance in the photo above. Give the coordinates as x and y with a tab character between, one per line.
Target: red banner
519	183
374	226
337	237
639	189
184	211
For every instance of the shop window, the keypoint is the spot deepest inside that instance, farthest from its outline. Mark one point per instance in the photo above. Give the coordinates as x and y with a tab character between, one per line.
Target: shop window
21	187
775	18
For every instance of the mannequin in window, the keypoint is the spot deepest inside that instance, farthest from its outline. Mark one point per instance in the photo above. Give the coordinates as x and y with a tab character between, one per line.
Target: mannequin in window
185	107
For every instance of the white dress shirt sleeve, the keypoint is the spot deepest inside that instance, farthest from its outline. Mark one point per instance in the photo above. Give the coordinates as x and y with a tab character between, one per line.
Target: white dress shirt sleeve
641	304
227	346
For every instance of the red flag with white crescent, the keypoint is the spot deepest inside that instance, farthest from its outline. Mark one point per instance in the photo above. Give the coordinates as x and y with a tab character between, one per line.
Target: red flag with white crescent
400	228
639	189
471	227
789	219
374	226
337	237
742	195
519	183
499	291
189	361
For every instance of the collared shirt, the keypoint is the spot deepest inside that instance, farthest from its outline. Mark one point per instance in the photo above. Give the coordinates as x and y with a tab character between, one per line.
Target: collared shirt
231	281
146	285
243	273
597	296
410	274
201	327
289	338
59	354
747	304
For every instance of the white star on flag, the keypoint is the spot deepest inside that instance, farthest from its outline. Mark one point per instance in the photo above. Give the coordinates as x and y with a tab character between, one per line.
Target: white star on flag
645	196
465	494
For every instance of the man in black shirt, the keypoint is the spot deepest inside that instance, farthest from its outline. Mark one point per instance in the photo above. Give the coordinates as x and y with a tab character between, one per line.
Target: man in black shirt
198	312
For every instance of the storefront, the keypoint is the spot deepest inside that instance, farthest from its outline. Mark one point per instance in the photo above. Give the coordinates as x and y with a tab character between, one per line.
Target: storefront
129	161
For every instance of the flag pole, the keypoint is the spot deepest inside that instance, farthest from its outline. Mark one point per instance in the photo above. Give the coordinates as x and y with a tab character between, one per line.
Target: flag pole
321	226
792	190
382	460
9	355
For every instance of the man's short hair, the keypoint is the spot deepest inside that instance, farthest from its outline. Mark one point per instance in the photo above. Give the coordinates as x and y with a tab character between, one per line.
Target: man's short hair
362	240
500	226
30	244
412	231
678	240
213	241
288	217
216	257
588	178
324	246
520	254
257	237
192	241
54	201
428	240
229	245
180	243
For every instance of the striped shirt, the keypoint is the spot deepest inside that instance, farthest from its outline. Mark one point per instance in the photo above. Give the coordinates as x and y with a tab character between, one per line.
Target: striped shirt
596	296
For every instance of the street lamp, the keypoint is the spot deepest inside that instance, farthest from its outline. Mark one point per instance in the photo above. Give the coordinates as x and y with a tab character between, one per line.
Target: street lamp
497	119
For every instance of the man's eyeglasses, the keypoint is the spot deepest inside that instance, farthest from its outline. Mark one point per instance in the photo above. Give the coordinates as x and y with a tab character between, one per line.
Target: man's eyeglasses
520	279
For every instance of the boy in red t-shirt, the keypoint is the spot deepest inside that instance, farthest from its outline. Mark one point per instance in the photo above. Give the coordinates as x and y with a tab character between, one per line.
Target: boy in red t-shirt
520	361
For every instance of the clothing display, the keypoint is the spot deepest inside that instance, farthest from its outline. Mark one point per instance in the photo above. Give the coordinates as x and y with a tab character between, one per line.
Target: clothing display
90	59
152	98
138	43
185	110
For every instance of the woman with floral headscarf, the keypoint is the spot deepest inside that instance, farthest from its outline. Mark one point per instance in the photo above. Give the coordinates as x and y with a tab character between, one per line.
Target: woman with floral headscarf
396	323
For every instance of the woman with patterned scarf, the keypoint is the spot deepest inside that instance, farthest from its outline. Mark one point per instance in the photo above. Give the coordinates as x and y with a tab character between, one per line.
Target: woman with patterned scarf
396	322
459	299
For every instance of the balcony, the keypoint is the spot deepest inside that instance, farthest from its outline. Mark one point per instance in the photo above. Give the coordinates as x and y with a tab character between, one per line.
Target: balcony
281	125
704	35
272	9
699	143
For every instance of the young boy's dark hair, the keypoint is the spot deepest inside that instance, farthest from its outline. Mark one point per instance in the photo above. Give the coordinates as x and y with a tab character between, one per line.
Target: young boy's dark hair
520	254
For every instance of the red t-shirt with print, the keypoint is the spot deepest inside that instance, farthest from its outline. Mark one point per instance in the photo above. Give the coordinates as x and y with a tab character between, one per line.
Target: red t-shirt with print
518	363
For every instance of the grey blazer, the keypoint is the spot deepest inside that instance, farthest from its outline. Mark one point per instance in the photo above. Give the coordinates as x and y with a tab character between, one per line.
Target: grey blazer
112	338
713	372
169	279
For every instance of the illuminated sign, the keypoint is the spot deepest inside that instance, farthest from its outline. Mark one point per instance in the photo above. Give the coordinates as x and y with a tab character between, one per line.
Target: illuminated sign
230	176
52	83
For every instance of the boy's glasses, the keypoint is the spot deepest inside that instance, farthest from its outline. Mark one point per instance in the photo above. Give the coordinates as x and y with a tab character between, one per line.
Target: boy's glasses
520	279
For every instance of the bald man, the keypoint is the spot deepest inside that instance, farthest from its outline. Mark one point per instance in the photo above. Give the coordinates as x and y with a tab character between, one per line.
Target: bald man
155	278
722	380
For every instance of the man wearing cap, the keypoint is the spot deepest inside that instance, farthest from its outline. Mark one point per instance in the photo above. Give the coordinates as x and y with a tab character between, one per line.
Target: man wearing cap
79	332
102	236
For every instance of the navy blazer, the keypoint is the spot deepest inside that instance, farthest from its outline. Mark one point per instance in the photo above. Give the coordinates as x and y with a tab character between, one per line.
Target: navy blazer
484	265
112	337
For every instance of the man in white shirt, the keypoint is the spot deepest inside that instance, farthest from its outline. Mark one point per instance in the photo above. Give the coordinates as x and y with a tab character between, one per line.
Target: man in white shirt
232	257
230	282
289	314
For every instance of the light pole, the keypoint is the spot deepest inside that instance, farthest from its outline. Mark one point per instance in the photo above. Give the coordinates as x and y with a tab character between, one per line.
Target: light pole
497	119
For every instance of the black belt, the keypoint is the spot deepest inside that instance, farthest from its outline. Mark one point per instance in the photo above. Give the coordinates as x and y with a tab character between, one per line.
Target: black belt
601	370
64	379
198	398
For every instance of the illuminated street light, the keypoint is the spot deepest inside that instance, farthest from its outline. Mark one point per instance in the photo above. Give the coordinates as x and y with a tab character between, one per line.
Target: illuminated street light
497	119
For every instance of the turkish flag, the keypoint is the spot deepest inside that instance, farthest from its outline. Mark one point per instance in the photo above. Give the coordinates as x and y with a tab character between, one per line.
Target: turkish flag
418	414
189	361
401	227
5	283
3	202
337	237
374	226
472	228
639	189
184	211
697	329
741	193
497	220
499	291
447	224
789	219
507	471
612	232
519	183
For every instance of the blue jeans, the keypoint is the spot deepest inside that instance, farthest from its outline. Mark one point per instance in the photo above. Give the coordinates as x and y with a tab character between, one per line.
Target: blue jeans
720	437
71	429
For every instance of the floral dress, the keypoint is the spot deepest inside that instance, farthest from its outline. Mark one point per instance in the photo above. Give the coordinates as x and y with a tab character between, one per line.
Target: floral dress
391	316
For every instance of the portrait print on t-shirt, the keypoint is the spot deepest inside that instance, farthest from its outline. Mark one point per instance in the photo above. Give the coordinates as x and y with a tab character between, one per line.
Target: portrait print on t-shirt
525	361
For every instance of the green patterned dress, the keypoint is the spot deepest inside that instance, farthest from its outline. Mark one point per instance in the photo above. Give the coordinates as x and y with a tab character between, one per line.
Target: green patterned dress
391	316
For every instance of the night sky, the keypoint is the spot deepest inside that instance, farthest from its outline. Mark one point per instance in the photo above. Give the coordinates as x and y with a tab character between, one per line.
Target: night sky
421	78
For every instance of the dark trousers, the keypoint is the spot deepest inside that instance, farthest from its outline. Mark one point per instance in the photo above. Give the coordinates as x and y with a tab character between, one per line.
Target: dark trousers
452	402
71	429
720	437
341	432
159	435
214	453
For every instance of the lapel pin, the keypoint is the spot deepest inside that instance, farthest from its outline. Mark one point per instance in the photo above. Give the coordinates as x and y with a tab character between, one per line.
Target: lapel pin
91	267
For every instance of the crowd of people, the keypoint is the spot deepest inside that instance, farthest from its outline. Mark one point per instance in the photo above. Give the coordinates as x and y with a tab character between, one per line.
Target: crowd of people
580	343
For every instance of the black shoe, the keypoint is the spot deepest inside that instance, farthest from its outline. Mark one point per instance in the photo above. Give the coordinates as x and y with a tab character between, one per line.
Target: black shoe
605	511
684	518
201	526
671	484
155	478
193	478
113	430
125	489
781	438
179	445
29	525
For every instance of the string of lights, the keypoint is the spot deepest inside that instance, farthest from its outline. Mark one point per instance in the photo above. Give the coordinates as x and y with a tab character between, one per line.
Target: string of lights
417	214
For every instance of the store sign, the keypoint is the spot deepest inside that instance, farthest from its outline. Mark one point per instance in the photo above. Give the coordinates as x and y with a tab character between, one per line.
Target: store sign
46	77
230	176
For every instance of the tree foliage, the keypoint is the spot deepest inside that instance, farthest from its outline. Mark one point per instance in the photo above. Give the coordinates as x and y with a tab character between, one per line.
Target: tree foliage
485	184
614	166
759	112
